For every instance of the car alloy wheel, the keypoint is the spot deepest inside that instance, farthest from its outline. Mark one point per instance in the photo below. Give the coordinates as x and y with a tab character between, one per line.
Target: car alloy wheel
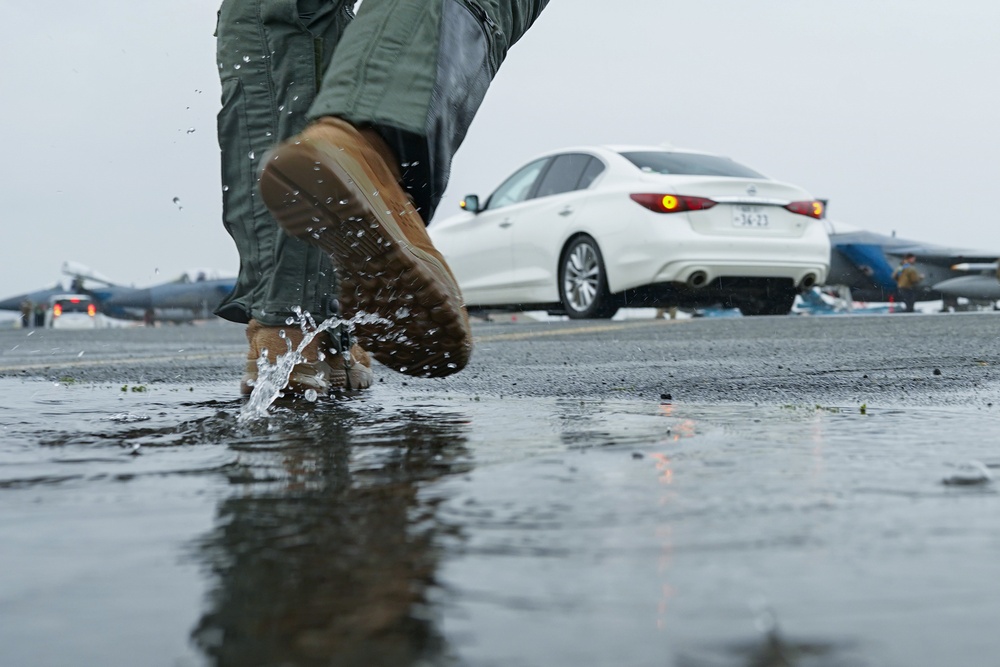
583	285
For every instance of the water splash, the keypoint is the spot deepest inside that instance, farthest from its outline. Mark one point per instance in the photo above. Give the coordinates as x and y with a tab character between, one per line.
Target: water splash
272	378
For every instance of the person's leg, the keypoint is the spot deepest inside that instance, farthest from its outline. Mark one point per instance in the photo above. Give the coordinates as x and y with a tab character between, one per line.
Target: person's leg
418	70
270	61
396	102
271	56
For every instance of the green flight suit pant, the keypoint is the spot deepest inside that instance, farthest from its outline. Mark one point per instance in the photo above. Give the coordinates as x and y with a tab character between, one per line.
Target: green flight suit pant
415	70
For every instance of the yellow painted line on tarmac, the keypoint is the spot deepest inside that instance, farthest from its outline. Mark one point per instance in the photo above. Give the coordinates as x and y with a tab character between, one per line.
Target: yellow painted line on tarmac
110	361
600	328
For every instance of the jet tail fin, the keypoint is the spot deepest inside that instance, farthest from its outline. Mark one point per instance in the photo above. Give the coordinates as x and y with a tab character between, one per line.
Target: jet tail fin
82	272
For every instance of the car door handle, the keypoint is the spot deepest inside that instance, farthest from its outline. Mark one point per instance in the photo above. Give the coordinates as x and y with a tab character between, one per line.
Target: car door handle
566	211
506	223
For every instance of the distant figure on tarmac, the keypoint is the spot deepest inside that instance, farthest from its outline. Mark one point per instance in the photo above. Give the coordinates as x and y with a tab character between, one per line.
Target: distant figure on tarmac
27	312
371	109
907	278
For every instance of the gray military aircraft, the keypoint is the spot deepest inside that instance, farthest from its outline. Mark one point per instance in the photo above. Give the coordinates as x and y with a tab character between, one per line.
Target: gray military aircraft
864	261
191	296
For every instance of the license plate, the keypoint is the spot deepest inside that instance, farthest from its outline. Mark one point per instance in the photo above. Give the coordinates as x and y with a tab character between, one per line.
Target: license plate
750	216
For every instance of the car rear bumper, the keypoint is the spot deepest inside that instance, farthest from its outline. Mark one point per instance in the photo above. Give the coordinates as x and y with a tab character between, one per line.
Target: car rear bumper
687	257
698	272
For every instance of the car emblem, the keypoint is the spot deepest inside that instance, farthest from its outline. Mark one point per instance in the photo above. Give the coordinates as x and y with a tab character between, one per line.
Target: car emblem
751	190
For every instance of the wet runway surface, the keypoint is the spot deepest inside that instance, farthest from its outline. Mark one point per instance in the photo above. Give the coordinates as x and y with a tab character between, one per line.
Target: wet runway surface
772	491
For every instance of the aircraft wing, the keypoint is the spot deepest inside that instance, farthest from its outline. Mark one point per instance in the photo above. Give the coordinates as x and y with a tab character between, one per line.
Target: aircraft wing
36	297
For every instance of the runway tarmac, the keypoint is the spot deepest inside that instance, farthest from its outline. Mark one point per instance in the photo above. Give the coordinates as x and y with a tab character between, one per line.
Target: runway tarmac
748	491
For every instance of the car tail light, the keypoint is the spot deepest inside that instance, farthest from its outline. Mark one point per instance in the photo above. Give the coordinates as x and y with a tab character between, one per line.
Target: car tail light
659	203
91	309
813	209
56	310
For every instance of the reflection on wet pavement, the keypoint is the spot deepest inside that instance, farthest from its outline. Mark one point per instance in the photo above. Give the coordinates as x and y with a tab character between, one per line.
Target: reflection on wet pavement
326	550
401	529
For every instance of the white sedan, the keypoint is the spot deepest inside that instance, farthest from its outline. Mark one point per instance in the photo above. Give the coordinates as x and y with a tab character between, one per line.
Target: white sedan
586	231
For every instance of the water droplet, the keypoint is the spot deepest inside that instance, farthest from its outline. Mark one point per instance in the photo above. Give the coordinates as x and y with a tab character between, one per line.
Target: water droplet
343	202
310	395
190	130
246	59
177	202
252	155
452	365
225	188
237	66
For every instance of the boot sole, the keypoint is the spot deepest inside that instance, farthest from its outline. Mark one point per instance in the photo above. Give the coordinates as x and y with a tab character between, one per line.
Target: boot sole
330	201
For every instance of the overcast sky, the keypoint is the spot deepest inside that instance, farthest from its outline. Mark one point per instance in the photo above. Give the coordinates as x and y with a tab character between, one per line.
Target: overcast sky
887	108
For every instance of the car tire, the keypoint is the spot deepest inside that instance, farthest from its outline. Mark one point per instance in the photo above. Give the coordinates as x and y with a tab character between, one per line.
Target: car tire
583	282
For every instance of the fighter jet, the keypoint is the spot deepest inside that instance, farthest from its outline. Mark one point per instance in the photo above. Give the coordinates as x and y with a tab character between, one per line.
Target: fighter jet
193	295
863	261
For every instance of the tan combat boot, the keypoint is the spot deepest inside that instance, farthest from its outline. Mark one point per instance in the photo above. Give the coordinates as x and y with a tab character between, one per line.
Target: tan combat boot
323	369
337	187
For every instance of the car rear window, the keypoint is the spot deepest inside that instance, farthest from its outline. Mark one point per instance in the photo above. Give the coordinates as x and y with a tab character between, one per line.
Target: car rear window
73	305
689	164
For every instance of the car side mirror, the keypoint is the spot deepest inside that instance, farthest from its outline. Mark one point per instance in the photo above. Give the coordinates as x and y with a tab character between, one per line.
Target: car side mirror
470	204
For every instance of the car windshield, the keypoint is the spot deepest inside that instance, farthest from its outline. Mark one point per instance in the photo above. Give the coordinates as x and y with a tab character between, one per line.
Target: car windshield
690	164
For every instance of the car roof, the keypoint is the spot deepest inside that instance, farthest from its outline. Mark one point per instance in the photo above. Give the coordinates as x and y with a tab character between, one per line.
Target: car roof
622	148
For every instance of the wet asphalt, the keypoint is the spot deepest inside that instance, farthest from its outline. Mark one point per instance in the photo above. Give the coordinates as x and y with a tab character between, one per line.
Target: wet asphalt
894	360
732	491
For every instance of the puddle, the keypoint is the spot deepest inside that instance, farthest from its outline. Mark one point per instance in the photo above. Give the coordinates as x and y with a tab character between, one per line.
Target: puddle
421	529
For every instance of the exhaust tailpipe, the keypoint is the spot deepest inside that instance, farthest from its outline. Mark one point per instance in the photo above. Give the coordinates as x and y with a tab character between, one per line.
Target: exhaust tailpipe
809	281
697	279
